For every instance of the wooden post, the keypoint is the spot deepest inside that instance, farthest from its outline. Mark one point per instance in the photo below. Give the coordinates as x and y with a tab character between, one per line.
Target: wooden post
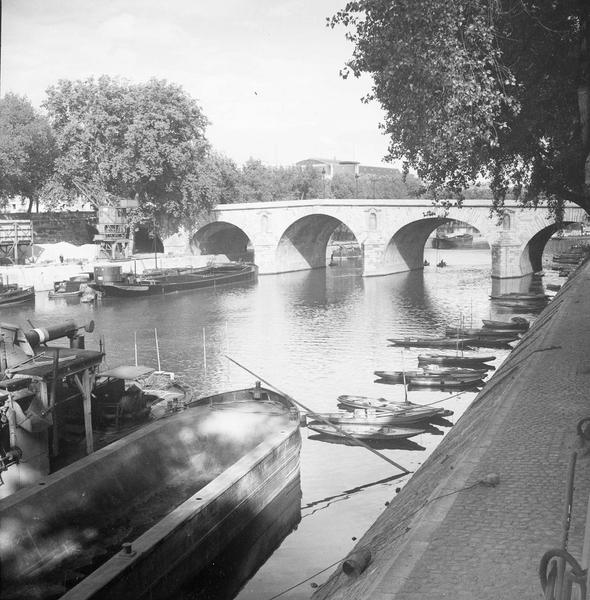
87	389
55	430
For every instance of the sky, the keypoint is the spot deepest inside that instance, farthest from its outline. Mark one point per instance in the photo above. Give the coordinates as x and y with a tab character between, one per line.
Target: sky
265	72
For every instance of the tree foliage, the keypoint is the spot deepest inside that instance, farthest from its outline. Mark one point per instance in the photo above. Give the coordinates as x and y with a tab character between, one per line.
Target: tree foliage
27	150
135	141
494	89
394	185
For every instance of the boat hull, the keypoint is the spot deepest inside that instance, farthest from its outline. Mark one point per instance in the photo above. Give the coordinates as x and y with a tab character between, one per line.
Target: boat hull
110	491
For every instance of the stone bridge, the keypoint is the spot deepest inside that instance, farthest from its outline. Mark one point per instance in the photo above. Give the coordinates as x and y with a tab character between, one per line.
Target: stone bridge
293	235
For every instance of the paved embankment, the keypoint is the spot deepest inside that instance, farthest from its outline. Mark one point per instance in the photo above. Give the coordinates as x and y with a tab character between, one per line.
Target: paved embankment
446	534
43	275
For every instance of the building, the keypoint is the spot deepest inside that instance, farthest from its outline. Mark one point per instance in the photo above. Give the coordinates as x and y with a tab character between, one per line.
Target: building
330	167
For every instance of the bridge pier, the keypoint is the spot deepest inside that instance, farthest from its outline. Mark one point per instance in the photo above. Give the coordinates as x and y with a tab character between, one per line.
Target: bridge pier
508	260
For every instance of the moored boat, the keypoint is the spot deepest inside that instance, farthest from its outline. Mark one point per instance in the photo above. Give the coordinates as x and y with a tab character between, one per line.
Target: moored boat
449	372
490	338
474	332
445	381
407	412
166	281
515	323
70	288
464	360
365	431
430	342
187	483
12	294
415	413
503	341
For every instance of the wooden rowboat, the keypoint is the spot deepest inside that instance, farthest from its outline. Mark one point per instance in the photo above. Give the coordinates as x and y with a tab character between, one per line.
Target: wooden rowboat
444	381
406	412
431	342
516	323
366	432
464	360
378	417
409	376
483	332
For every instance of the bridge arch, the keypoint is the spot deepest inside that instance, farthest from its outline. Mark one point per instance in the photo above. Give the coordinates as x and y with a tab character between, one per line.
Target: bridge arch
303	243
405	249
531	259
221	237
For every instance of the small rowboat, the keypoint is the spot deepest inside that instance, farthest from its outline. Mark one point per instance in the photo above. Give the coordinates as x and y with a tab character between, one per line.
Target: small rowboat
450	372
516	324
488	332
519	296
430	342
444	381
405	412
461	360
366	432
379	417
366	417
492	342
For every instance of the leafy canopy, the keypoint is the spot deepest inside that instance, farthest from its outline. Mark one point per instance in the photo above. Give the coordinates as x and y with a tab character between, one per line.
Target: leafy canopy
472	89
27	149
123	140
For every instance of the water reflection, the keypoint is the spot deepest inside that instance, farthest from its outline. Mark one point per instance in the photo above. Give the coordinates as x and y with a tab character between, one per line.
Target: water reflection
375	444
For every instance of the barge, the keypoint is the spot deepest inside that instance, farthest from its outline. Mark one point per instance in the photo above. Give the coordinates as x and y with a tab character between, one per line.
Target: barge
116	523
111	282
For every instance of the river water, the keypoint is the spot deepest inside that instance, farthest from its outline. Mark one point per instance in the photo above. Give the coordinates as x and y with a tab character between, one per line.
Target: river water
314	335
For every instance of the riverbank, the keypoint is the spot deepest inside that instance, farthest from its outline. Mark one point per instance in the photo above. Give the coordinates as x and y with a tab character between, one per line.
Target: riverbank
43	275
476	518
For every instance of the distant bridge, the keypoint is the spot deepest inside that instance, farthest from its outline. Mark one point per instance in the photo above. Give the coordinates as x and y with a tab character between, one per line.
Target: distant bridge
293	235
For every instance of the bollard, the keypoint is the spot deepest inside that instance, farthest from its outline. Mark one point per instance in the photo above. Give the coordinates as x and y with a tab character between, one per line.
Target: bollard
357	562
126	548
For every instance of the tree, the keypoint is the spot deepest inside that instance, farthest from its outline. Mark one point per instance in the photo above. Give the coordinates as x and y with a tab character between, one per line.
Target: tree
224	177
472	89
136	141
27	150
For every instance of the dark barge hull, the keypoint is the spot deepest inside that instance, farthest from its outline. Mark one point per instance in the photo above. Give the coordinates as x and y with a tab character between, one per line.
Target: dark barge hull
166	284
208	484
